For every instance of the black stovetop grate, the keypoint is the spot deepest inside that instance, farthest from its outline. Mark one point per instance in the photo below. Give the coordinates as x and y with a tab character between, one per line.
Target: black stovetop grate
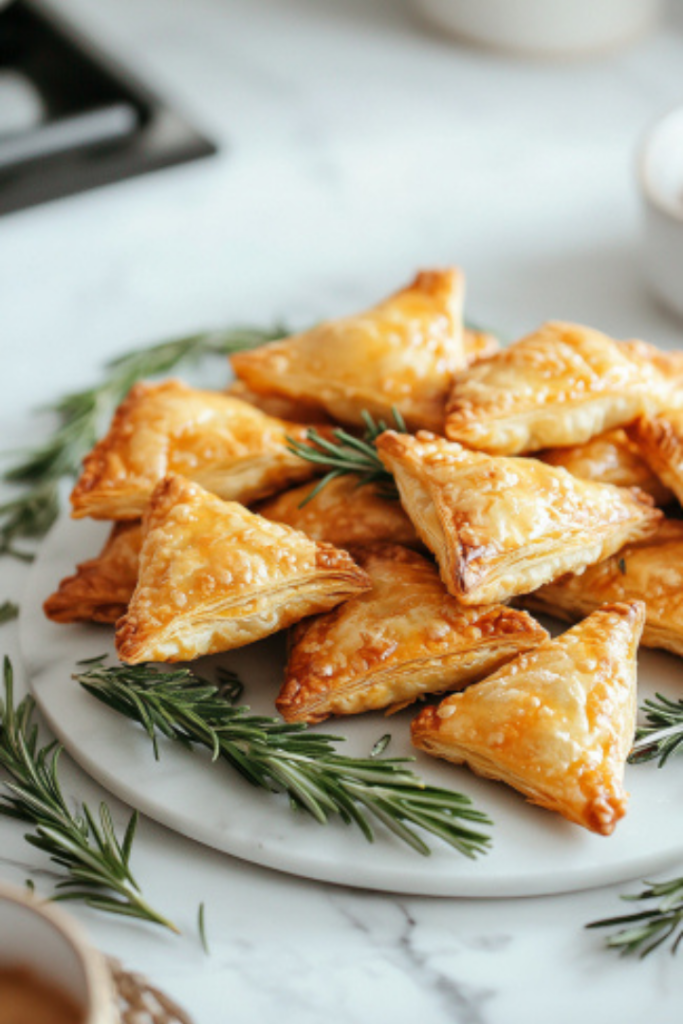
89	122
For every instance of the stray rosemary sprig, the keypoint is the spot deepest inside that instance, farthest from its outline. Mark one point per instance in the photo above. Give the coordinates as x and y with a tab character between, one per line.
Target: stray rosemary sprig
349	454
663	734
81	415
644	931
201	927
8	611
96	862
289	758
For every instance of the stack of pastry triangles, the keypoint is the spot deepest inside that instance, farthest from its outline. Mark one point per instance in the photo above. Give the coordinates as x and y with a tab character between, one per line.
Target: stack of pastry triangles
530	473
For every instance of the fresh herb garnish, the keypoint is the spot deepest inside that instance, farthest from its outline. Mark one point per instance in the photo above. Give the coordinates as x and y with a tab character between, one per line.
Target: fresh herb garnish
95	861
81	416
663	734
201	927
348	454
646	930
8	611
289	758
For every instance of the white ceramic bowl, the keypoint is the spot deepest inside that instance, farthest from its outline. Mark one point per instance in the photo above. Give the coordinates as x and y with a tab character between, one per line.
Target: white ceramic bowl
41	937
551	28
660	170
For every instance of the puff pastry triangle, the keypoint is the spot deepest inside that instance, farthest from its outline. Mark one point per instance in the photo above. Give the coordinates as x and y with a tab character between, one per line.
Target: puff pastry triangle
100	589
226	445
610	458
343	513
503	526
650	571
404	638
660	439
279	405
557	387
557	723
401	353
214	576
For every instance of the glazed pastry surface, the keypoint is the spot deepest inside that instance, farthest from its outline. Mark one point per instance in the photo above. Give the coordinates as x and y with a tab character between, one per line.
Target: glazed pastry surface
100	589
660	439
557	387
280	406
504	526
390	645
214	576
557	723
401	353
610	458
650	571
222	443
343	513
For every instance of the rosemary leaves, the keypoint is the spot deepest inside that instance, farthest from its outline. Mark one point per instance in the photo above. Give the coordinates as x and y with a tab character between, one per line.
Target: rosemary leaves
348	454
644	931
289	758
96	862
663	734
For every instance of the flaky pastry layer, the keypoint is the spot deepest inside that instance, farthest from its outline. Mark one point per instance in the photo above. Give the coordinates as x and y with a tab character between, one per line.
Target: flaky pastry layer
226	445
100	589
650	571
214	576
504	526
401	353
558	387
556	723
396	642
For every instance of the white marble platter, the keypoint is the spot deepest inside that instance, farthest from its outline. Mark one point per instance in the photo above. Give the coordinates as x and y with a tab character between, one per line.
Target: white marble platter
534	852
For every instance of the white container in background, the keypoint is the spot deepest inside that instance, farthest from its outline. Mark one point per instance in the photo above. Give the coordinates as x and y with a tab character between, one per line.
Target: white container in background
660	170
547	28
45	940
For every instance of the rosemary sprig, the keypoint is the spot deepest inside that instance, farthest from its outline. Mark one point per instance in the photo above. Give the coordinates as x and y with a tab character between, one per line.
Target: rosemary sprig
81	415
8	611
348	454
646	930
281	757
95	860
663	734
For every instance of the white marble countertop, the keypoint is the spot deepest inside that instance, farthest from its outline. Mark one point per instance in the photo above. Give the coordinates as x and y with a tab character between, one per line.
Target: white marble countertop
356	147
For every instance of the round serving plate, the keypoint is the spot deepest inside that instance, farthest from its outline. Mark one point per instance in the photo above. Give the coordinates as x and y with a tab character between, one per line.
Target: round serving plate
534	852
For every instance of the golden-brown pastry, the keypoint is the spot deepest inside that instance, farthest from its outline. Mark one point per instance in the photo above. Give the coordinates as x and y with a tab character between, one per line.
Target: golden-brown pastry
400	353
560	386
227	446
502	526
670	364
478	344
610	458
404	638
343	513
556	723
660	439
100	589
650	571
214	576
280	406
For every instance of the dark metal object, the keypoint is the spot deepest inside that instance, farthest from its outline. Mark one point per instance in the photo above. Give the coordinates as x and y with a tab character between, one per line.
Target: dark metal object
101	125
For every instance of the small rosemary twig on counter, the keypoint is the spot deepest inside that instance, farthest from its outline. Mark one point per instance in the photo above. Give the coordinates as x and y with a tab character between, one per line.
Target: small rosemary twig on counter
95	861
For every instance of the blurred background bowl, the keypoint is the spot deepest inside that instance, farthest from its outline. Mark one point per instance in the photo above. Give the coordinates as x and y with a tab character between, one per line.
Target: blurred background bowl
549	28
660	170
